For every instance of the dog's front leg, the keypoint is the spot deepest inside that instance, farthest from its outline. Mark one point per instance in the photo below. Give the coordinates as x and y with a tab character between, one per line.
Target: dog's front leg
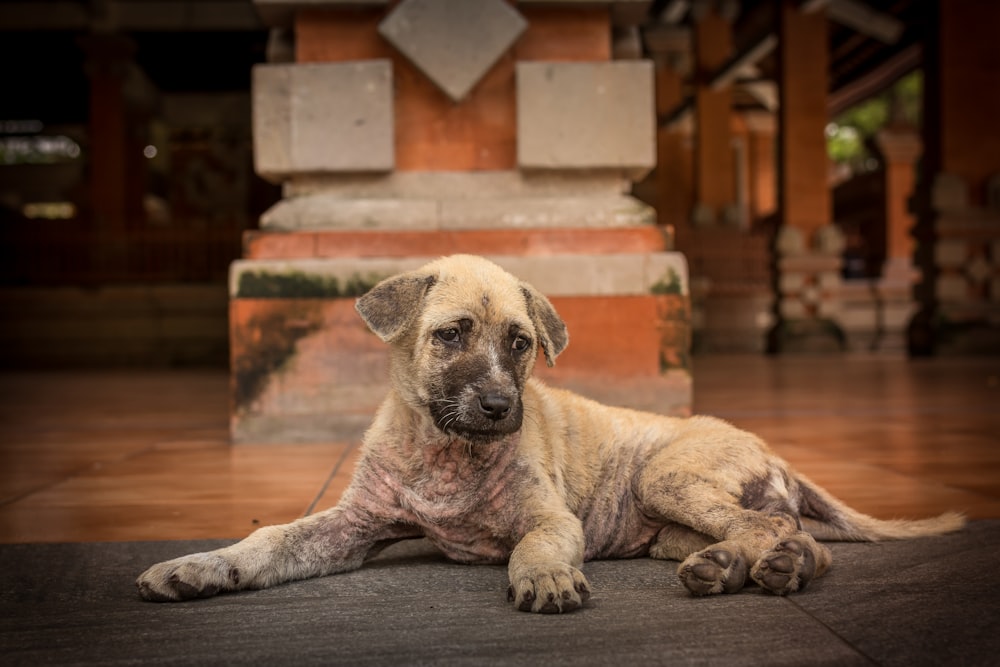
337	540
544	567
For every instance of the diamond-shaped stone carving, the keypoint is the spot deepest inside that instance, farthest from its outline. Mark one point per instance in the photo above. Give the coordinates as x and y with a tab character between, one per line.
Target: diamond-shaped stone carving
453	42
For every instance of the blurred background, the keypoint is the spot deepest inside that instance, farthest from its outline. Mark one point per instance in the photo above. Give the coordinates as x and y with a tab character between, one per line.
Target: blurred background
792	206
127	176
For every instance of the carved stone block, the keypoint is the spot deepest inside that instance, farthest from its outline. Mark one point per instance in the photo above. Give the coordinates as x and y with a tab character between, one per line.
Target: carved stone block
586	115
322	117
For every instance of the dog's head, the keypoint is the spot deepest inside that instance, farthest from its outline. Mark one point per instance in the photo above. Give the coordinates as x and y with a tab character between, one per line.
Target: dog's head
465	335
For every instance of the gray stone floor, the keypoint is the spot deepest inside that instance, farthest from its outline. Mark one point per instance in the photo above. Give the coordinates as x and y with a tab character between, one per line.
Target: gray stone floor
926	602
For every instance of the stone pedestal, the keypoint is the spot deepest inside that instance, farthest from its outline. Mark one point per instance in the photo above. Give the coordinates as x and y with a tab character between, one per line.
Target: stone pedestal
403	132
966	271
875	314
305	368
810	307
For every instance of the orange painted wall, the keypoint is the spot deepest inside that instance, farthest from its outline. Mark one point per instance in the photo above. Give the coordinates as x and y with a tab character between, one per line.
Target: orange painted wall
433	133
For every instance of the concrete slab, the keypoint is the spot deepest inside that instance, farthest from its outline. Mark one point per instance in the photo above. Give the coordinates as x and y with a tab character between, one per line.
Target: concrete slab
323	117
332	211
586	115
317	212
588	212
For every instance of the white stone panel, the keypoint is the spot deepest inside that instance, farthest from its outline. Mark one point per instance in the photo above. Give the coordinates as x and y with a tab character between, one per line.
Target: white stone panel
322	118
586	115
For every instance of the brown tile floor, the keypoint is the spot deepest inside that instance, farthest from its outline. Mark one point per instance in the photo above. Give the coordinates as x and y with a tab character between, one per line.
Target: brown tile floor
92	456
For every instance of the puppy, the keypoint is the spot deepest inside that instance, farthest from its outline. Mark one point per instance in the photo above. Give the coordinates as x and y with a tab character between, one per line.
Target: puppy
491	466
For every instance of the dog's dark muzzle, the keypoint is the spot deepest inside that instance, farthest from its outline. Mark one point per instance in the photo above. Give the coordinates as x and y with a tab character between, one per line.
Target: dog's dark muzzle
480	416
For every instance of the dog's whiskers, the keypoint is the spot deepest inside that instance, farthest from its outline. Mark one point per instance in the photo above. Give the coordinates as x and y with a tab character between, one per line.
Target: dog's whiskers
451	412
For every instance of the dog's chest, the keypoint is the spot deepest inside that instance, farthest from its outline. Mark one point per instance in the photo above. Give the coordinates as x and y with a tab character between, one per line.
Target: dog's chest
465	501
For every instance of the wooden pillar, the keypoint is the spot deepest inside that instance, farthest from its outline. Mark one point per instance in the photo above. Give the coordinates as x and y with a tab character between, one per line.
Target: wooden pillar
808	246
803	79
107	61
958	200
673	150
713	162
761	159
890	298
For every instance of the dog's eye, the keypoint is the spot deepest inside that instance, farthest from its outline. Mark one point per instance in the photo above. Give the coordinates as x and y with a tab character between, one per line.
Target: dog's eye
449	335
520	344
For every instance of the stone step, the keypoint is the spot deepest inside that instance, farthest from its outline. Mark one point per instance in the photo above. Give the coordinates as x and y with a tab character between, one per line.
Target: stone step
523	242
554	275
330	211
306	367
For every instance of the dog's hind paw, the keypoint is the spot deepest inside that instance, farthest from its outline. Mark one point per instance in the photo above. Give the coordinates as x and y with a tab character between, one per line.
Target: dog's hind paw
550	591
713	570
789	566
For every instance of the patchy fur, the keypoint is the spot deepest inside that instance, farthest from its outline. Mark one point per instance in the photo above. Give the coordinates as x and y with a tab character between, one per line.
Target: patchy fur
492	466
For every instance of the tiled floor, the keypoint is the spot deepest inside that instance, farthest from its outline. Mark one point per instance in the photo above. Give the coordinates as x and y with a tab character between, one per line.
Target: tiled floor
94	456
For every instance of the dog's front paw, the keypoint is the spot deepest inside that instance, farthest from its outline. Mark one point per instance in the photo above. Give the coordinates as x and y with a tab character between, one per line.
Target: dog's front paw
552	590
713	570
788	567
195	576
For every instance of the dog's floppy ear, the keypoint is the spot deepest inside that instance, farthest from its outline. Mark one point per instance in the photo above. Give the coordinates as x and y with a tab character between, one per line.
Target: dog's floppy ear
552	333
392	305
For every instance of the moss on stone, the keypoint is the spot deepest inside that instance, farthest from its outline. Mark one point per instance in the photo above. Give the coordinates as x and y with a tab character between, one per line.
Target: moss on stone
299	285
668	284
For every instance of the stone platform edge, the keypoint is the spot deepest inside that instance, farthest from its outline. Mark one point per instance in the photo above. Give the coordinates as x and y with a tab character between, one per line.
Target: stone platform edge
554	275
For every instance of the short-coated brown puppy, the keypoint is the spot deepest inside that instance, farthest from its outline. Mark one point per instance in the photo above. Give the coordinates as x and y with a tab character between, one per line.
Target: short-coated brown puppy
492	466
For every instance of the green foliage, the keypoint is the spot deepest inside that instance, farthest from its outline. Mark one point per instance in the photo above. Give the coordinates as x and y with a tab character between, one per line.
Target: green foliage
848	136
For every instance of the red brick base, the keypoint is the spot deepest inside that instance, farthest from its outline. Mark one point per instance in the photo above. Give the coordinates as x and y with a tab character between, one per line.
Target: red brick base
306	363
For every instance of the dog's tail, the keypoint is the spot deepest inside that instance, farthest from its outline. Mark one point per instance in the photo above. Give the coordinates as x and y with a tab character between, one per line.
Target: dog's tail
826	518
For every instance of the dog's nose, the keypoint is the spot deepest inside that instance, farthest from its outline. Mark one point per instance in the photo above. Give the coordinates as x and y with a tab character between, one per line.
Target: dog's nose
495	406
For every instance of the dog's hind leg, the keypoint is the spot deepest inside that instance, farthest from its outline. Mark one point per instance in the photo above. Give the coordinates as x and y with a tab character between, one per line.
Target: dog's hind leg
676	542
730	541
